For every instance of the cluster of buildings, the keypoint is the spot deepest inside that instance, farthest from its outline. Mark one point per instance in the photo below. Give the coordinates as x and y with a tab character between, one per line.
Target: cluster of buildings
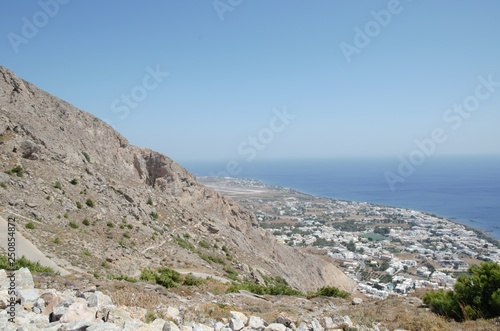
386	250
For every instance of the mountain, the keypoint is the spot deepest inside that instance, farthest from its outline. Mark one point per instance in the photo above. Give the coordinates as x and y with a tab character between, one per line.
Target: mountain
96	204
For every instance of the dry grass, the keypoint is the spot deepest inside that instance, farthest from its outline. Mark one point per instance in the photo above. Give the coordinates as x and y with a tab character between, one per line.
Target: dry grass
396	313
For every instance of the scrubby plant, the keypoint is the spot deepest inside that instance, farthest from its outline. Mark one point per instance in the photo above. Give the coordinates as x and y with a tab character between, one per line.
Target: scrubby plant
86	156
73	225
17	170
150	201
154	215
74	181
475	295
23	262
78	205
86	222
3	185
58	185
30	225
89	203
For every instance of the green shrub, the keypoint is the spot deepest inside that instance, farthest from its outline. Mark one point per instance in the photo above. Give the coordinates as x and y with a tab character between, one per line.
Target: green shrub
89	203
3	185
332	291
125	278
74	181
110	224
78	205
86	222
191	280
165	277
126	235
153	215
475	295
17	170
73	225
150	201
57	241
204	244
231	273
105	265
211	258
185	244
262	290
86	156
30	225
22	262
58	185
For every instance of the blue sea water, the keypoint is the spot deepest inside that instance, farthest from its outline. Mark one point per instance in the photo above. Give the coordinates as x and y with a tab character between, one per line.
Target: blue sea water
463	189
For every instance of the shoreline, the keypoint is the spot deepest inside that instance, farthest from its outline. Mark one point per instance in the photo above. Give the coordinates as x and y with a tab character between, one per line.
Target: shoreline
481	232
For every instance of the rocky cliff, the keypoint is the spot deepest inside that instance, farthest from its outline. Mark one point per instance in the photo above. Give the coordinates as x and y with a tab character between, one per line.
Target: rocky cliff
97	204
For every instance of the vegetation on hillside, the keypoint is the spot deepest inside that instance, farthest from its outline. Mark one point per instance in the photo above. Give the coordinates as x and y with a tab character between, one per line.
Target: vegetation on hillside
475	295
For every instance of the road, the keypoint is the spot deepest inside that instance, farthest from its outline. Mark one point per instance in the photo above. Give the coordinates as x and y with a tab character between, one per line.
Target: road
25	247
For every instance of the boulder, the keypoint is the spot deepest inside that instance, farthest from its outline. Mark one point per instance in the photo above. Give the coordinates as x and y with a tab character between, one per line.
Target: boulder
357	301
77	312
275	327
99	300
237	320
256	323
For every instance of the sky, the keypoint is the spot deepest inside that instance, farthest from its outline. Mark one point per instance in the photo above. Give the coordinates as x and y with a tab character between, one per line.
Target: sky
257	80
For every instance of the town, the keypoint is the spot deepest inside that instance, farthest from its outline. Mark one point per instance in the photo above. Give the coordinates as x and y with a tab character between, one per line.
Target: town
387	250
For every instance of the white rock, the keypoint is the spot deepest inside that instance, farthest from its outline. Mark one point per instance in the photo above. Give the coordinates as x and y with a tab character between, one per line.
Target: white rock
219	326
256	323
104	327
78	311
275	327
4	299
172	313
170	326
28	295
303	327
202	327
99	300
327	323
78	326
316	326
157	324
24	279
357	301
237	320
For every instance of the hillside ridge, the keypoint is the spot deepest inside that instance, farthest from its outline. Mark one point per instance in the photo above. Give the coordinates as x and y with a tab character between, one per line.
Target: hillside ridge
98	203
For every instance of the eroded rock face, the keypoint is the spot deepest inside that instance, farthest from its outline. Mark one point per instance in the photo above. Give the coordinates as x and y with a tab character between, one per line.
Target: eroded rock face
76	165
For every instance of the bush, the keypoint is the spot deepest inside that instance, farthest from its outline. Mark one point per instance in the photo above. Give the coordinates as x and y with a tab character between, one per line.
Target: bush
149	202
3	185
74	181
204	244
475	295
164	277
110	224
17	170
153	215
90	203
73	225
191	280
332	291
58	185
30	225
86	156
78	205
86	222
34	267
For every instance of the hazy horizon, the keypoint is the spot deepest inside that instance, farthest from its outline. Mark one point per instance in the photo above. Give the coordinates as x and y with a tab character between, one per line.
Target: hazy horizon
258	80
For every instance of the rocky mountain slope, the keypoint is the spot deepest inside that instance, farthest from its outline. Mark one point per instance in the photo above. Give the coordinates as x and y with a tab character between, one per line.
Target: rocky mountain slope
95	204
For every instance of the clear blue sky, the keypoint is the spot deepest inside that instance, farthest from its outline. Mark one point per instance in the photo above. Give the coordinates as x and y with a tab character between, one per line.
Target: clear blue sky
228	77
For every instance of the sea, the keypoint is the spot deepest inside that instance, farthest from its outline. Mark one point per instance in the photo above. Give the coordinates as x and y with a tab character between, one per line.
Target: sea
464	189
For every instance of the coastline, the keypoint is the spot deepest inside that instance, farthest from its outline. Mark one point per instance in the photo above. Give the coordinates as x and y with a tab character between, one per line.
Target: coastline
481	232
